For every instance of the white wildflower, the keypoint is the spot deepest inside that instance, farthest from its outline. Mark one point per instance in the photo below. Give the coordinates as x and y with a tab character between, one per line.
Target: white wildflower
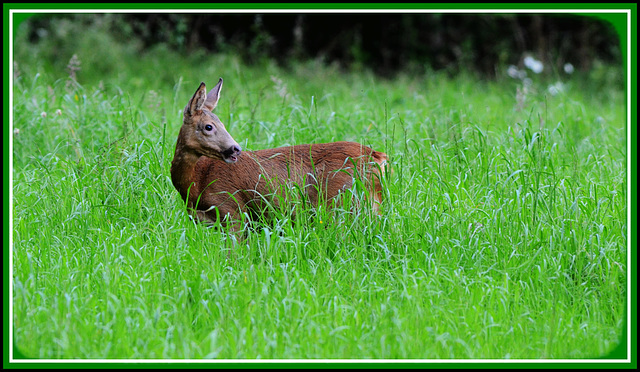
556	88
533	64
516	73
513	72
568	68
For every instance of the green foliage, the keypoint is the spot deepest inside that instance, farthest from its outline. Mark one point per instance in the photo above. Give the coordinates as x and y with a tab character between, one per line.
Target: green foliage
503	233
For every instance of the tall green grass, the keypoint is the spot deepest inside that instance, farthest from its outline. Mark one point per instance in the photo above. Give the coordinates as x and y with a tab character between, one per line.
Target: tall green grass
503	232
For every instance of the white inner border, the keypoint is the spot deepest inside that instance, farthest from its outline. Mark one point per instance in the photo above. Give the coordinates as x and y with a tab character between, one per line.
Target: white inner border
492	11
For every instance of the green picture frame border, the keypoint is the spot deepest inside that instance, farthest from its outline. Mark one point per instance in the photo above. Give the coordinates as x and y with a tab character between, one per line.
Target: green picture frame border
623	18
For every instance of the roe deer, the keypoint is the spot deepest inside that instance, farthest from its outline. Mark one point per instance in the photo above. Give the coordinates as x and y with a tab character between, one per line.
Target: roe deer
219	182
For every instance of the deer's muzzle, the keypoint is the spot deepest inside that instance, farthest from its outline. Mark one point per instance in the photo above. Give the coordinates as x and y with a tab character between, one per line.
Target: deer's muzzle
231	154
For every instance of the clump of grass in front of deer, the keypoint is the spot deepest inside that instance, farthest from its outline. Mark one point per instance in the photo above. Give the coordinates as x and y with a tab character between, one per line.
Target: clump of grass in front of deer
287	225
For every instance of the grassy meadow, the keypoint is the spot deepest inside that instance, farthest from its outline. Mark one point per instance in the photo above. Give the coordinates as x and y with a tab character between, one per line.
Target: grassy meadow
503	232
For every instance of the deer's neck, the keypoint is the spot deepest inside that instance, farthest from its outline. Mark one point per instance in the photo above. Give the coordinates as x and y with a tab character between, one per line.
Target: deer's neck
183	169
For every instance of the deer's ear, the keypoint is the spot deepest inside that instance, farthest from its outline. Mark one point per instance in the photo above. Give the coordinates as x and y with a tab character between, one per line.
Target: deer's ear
197	101
213	96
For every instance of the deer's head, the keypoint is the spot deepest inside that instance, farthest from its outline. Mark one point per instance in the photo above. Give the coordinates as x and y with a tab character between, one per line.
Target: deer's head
202	132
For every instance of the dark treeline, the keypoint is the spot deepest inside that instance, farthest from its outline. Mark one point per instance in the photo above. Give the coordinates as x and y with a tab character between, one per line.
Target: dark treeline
385	42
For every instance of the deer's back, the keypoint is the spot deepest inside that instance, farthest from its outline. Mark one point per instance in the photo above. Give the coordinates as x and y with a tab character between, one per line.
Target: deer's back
321	170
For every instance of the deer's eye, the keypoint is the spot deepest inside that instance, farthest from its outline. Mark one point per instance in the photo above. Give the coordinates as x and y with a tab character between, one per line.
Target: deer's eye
208	127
